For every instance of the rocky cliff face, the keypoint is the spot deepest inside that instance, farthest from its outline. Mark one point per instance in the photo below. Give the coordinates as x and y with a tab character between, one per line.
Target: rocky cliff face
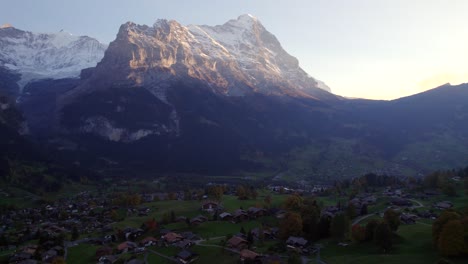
40	56
237	59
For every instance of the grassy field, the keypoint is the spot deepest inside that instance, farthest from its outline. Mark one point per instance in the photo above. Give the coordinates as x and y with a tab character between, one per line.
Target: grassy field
192	208
82	254
414	246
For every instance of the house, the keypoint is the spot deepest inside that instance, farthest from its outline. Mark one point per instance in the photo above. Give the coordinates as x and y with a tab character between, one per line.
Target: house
330	211
239	216
427	214
172	237
281	214
107	259
250	256
186	257
272	259
184	244
296	243
401	202
126	246
103	251
20	257
408	218
432	192
225	216
28	261
49	255
256	212
443	205
210	206
198	220
181	219
237	243
190	236
148	241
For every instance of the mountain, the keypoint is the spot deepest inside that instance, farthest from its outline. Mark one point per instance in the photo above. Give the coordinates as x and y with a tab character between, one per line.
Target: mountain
40	56
229	99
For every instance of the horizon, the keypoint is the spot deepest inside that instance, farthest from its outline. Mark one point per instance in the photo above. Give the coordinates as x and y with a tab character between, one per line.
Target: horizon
353	56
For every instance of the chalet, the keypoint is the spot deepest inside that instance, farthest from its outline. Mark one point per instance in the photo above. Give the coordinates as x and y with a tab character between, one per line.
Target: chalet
132	233
49	255
237	243
107	259
256	212
330	211
267	233
21	256
126	246
296	243
408	218
250	256
186	257
181	219
427	214
28	261
225	216
432	192
184	244
148	241
172	237
190	236
443	205
103	251
198	220
281	214
210	206
240	215
401	202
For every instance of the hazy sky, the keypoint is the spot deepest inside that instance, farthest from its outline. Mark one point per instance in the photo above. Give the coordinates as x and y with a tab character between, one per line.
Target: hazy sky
379	49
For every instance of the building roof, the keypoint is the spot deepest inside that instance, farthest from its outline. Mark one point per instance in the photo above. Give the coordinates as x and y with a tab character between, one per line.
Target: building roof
235	241
248	254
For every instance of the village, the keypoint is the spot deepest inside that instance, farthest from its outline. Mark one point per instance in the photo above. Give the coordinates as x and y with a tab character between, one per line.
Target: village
236	223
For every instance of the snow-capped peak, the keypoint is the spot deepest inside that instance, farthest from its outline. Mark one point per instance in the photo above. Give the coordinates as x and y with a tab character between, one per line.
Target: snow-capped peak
47	55
237	57
6	25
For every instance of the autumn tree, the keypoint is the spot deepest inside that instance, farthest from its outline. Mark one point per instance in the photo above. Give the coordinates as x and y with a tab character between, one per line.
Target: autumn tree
392	218
241	193
383	236
439	223
310	213
451	240
358	233
267	200
351	211
339	226
291	225
293	203
370	228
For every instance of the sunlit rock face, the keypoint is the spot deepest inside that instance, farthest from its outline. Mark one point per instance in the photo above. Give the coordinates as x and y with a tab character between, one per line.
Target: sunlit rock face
237	59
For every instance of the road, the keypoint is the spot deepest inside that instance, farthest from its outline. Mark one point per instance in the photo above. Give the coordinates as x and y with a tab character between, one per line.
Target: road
359	219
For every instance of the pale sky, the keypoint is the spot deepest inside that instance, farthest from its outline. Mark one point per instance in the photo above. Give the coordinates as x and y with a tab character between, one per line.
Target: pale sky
376	49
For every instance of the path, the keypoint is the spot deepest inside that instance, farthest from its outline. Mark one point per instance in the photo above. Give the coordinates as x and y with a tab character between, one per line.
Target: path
359	219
